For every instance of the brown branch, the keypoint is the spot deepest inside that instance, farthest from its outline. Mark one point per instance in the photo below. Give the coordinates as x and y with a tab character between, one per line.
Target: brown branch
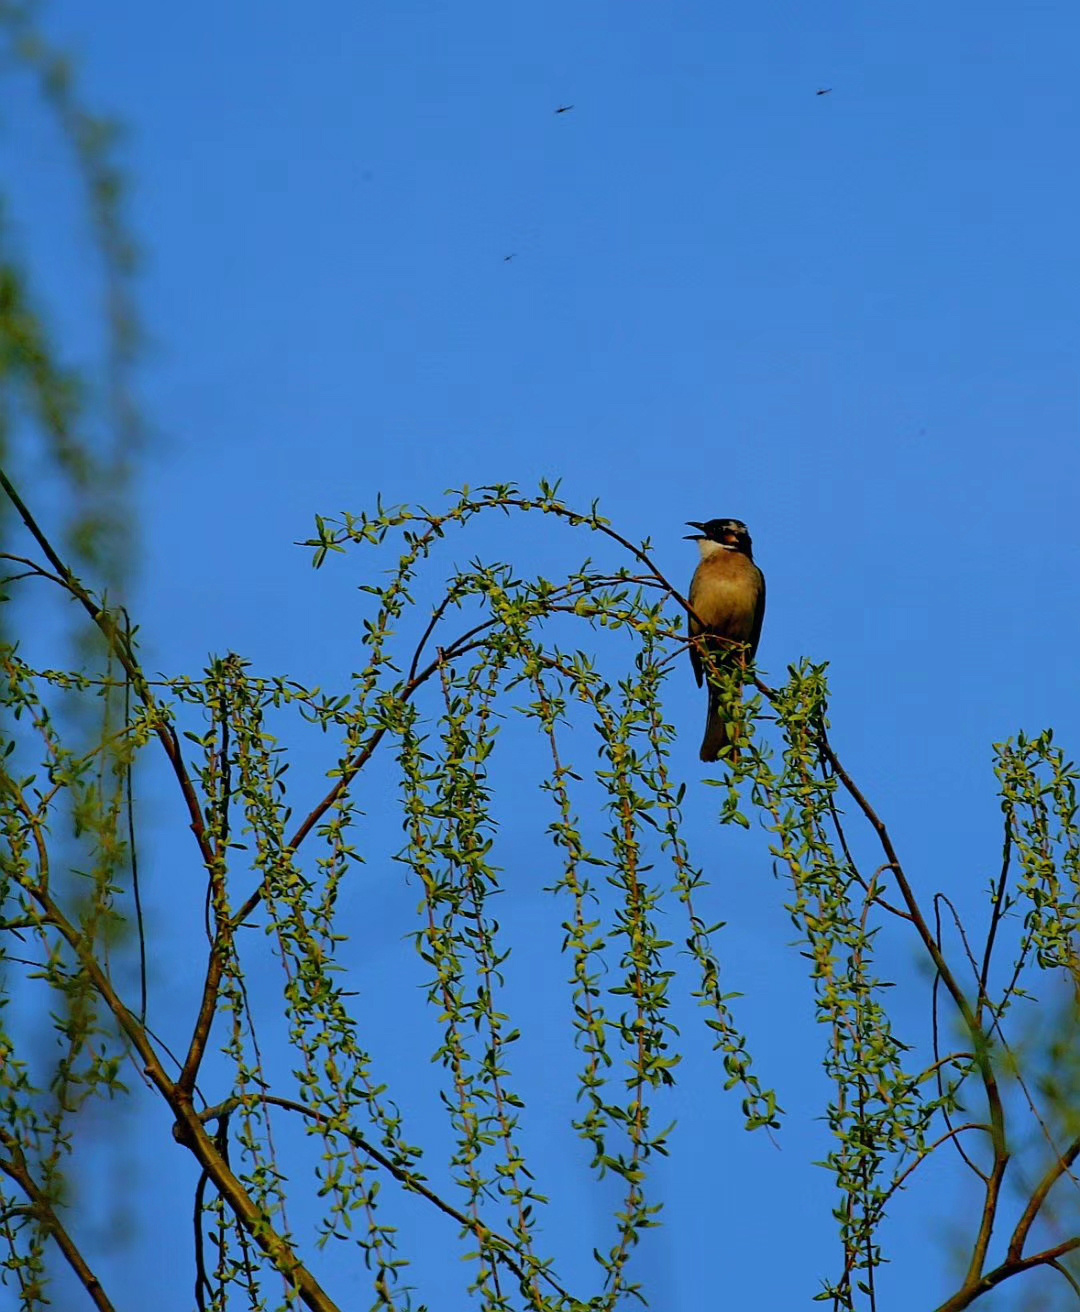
125	655
356	763
189	1129
436	616
216	963
936	1040
906	891
989	1215
834	812
1042	1189
563	512
939	1062
204	1020
975	1289
1066	1273
996	914
34	570
415	678
1028	1098
900	1180
940	899
43	1211
971	1021
353	767
215	890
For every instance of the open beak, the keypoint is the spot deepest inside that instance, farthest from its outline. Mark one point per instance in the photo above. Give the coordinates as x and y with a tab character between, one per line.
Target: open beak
693	537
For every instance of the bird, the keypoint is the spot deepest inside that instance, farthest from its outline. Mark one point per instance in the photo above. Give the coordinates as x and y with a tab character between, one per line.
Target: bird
508	258
727	597
823	91
564	109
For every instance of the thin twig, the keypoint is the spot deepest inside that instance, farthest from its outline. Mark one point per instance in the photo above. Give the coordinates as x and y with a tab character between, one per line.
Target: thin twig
940	898
997	913
129	803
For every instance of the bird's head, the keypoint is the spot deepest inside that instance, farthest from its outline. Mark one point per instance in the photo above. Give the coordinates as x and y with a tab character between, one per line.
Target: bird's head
722	534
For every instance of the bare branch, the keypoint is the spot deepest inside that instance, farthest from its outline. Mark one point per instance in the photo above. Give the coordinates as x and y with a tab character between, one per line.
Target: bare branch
1038	1197
975	1289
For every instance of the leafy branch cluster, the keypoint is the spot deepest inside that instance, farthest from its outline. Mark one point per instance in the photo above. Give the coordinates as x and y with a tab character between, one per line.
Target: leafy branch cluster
430	713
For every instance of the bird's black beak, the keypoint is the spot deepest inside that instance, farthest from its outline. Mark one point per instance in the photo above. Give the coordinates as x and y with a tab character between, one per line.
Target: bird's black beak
693	537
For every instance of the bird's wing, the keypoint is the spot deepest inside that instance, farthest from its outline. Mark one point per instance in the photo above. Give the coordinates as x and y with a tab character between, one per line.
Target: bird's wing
695	655
693	628
759	616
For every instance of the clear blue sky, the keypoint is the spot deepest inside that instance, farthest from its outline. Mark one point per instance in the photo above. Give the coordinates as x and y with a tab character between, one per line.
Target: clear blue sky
849	319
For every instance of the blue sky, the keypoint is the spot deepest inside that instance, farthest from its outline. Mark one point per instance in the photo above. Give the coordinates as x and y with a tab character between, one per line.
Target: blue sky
848	319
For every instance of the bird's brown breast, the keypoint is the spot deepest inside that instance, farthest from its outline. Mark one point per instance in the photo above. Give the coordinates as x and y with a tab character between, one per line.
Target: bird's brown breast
725	592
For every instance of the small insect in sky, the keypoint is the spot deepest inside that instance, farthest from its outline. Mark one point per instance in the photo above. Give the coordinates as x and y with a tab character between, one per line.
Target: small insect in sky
823	91
564	109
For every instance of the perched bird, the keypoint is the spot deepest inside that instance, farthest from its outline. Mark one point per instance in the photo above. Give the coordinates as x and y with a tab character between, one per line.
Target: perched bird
727	594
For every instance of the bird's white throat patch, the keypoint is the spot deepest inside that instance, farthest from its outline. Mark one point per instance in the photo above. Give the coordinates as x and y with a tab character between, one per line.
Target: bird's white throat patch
709	548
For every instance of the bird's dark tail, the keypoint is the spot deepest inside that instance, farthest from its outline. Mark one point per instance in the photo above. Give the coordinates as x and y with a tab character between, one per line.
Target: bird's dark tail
717	735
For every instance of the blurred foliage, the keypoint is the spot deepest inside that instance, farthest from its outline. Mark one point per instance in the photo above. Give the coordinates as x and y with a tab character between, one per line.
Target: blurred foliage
69	429
73	423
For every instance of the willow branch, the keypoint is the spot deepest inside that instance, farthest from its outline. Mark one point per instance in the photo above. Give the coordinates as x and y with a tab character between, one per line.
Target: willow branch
123	653
971	1020
43	1211
501	1246
189	1128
